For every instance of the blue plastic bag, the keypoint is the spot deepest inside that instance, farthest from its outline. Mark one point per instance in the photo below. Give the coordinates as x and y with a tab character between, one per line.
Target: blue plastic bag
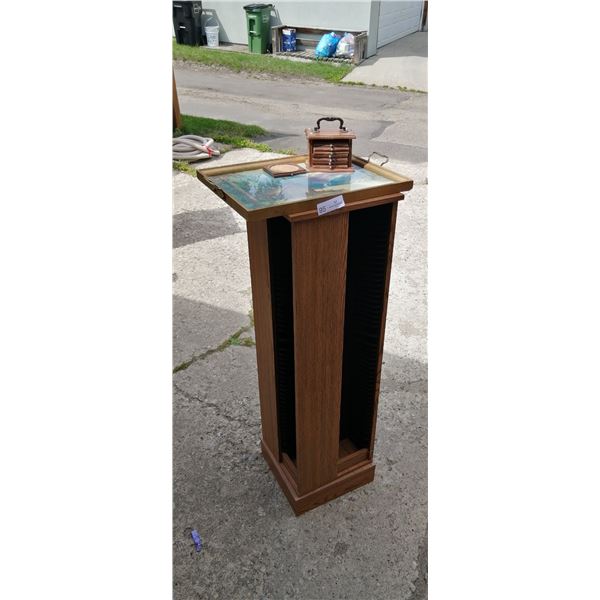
327	45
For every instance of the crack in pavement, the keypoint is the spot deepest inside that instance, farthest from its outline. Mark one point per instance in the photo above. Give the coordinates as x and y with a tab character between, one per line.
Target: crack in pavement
232	340
217	407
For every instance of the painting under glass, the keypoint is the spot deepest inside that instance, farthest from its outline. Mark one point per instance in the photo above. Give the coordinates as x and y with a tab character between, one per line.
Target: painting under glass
256	189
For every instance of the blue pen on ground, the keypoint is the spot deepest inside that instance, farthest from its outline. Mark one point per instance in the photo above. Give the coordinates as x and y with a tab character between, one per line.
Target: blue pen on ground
197	540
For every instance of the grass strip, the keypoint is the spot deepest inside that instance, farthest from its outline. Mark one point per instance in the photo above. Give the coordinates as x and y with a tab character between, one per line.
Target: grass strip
261	63
231	133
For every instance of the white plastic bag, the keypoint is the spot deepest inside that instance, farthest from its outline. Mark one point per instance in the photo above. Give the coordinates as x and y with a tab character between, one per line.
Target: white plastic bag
345	47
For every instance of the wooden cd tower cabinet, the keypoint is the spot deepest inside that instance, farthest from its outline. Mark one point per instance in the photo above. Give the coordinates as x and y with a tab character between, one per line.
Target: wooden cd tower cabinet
319	287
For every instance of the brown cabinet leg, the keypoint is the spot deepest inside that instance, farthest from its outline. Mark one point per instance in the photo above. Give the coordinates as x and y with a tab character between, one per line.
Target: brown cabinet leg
319	249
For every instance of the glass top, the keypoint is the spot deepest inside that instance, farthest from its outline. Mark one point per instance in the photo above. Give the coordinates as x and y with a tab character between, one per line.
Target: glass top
256	189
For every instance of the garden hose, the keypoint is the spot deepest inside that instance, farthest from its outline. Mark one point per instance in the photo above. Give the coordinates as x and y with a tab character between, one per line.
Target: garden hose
192	148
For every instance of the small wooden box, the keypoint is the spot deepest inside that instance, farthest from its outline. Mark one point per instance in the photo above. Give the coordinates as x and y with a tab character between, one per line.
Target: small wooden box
329	151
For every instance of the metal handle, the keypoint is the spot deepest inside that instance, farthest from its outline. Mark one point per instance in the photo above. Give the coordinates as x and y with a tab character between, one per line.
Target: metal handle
318	127
387	158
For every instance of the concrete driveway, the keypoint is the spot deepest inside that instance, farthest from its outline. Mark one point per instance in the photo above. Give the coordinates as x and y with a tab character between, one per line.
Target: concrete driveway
402	63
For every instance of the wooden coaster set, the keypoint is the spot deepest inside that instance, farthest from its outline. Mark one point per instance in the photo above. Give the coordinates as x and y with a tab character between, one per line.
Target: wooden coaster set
329	150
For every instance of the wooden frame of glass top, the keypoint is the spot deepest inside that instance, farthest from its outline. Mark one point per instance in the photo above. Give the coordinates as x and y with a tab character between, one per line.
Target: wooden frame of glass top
391	184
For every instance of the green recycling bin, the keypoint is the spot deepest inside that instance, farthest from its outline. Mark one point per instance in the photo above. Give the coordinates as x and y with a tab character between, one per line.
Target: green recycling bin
258	19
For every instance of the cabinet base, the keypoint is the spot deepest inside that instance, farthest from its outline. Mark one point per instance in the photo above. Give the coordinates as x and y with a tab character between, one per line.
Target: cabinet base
363	473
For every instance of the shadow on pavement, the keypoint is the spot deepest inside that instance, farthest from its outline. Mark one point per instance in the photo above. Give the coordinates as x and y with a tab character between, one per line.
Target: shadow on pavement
196	226
198	327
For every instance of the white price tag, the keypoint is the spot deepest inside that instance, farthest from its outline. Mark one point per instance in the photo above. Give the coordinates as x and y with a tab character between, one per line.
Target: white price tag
332	204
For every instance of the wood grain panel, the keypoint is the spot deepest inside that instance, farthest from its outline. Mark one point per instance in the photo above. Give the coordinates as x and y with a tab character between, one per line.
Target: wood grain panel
347	481
319	253
358	205
263	325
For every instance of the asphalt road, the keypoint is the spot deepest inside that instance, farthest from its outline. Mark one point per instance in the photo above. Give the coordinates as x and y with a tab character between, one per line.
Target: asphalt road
385	120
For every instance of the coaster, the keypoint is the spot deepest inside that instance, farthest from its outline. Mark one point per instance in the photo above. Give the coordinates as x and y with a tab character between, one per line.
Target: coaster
284	170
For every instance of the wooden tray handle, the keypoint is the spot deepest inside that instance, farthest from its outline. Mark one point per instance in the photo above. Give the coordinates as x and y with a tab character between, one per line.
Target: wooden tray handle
387	158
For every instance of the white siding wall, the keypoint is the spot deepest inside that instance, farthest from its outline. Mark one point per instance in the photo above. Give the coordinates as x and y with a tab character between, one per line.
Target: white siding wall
335	14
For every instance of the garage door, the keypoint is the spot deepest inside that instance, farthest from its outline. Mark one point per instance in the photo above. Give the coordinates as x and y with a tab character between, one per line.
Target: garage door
397	19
